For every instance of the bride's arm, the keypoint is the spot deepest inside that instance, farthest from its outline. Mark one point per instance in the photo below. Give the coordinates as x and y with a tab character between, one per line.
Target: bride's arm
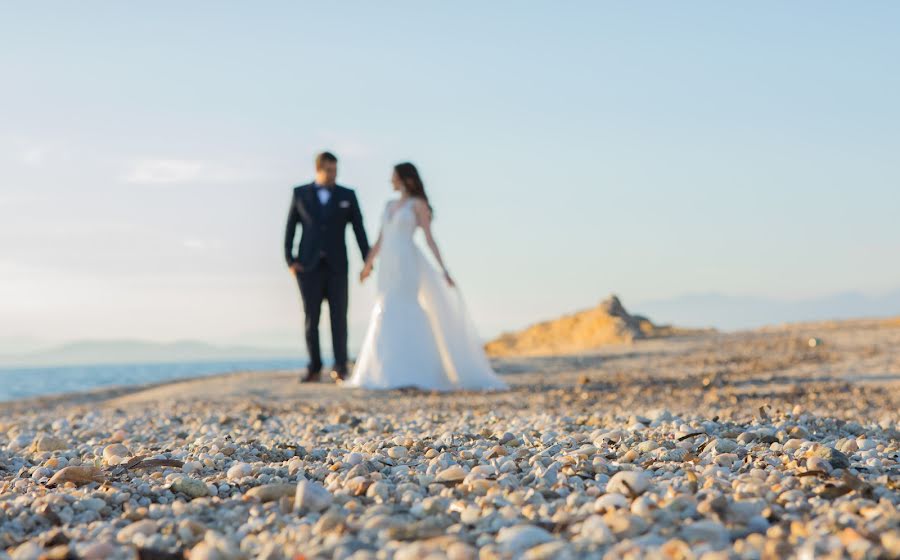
370	259
423	217
373	252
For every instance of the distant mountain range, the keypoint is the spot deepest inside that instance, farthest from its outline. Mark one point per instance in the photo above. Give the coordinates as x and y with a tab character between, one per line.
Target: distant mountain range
729	312
137	351
701	310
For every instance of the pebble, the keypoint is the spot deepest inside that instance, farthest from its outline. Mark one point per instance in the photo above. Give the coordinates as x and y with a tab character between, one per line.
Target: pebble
408	475
311	497
818	464
271	492
837	459
191	486
239	471
97	551
144	527
711	532
611	501
595	529
454	473
519	538
397	452
628	483
46	443
115	453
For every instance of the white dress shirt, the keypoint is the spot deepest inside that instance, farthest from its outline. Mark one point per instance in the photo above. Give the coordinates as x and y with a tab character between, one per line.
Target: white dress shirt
324	194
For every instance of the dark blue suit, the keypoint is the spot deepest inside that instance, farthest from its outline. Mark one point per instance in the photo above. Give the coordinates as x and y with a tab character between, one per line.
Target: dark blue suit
323	257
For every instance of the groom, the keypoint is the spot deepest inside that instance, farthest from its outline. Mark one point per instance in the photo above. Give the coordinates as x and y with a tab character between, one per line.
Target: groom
323	209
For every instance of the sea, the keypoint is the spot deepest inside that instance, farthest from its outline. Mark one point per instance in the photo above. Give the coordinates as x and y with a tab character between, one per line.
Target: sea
22	382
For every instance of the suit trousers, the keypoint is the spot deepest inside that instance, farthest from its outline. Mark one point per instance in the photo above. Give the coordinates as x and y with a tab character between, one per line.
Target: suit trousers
317	284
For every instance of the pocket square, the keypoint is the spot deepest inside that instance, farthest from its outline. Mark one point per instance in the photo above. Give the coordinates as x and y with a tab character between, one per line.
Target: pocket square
345	204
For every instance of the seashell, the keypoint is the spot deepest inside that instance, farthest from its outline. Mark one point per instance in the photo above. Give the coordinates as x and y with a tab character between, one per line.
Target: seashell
676	455
77	475
496	451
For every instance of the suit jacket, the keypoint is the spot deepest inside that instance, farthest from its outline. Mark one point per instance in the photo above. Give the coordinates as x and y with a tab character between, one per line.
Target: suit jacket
323	226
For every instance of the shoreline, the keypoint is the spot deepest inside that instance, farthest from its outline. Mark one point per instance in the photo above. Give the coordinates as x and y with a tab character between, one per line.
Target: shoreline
510	367
100	394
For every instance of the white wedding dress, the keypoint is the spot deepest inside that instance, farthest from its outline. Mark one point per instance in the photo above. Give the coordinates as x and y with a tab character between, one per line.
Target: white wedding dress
420	334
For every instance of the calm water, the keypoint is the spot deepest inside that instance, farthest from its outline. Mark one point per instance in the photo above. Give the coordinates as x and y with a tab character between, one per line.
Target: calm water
17	383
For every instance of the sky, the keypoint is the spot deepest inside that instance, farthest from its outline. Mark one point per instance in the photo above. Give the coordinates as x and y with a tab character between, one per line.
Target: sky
571	150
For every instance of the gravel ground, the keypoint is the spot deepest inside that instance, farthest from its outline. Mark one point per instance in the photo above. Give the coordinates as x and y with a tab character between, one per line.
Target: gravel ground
745	445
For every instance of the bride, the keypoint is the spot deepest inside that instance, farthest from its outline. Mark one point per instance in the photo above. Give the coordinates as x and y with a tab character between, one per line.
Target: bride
419	334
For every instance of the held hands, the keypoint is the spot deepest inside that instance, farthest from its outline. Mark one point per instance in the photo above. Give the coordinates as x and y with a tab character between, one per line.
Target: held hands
296	268
366	272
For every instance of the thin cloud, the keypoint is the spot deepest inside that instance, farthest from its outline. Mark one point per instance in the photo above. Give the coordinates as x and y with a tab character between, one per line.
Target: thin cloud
166	172
194	244
33	157
197	244
349	144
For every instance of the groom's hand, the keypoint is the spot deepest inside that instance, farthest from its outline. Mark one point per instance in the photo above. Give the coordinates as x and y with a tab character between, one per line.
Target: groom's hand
296	268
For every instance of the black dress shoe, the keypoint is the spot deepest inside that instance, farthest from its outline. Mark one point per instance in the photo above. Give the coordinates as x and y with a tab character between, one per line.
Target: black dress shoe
338	376
312	377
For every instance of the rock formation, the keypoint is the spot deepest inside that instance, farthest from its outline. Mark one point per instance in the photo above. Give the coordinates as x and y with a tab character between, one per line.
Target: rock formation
608	323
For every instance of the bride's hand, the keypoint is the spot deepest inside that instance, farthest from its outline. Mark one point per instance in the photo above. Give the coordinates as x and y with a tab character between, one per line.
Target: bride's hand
366	271
449	280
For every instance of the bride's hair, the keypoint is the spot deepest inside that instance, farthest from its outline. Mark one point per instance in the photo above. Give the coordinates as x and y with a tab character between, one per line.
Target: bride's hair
412	181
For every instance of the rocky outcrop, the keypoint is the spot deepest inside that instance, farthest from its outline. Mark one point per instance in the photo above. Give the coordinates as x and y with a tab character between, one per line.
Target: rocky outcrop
608	323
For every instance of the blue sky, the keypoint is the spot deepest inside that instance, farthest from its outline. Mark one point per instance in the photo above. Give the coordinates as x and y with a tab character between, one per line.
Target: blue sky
571	150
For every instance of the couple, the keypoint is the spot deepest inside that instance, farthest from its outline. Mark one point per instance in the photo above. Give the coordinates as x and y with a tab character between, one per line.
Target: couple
419	334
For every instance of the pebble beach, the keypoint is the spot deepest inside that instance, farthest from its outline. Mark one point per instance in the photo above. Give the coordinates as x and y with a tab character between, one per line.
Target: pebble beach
776	443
